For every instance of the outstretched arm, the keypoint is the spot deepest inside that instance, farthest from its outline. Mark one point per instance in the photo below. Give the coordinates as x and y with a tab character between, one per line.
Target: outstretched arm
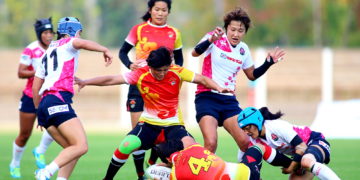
273	57
100	81
93	46
209	83
204	45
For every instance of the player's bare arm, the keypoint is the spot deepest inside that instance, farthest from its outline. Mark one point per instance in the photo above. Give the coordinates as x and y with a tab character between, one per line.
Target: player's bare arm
24	72
100	81
209	83
36	88
93	46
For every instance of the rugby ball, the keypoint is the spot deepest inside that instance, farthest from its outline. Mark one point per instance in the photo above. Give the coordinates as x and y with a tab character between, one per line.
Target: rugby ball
158	172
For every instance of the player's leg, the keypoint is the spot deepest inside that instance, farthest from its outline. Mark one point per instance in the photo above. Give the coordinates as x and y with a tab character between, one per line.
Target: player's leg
313	160
26	126
135	105
208	126
241	138
141	137
228	119
73	132
65	171
253	159
40	150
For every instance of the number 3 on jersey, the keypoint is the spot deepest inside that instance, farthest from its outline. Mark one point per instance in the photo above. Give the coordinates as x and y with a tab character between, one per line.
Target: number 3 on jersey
197	164
53	57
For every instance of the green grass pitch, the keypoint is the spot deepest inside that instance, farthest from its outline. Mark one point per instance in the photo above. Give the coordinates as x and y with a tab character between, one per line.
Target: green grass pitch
345	157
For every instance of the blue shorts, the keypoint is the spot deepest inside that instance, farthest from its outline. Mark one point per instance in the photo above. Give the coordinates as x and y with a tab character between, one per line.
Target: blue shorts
26	104
318	139
150	135
53	111
216	105
135	102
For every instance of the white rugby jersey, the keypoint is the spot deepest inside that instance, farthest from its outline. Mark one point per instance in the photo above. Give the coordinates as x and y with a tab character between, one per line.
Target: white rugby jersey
222	62
58	67
280	133
31	57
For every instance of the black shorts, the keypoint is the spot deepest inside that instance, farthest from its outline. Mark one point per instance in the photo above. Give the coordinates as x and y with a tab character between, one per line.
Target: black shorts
252	159
150	135
53	111
26	104
318	139
134	103
216	105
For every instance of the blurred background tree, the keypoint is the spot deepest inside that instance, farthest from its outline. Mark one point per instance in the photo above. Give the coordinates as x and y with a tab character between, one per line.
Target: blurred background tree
295	23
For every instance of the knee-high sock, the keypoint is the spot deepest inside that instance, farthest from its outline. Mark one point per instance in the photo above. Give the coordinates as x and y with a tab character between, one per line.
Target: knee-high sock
116	162
323	172
139	162
153	157
17	154
45	141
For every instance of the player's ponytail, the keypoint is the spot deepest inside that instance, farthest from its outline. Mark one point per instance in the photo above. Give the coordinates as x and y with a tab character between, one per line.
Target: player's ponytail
268	115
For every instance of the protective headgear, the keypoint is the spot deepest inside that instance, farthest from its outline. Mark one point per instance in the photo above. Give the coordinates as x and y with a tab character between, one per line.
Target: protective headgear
69	26
42	25
251	115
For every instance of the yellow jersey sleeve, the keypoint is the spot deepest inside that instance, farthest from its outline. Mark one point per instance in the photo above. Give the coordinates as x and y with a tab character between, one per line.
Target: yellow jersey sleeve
183	73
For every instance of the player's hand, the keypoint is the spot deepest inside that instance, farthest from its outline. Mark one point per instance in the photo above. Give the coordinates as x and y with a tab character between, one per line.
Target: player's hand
225	90
218	32
135	65
107	57
38	126
287	170
277	55
81	84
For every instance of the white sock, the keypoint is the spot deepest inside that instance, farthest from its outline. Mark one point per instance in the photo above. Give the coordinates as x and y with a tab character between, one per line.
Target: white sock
61	178
17	154
52	168
323	172
45	141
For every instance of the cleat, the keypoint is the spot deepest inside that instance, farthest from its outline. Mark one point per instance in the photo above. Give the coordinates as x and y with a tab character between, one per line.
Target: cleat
39	158
42	174
15	172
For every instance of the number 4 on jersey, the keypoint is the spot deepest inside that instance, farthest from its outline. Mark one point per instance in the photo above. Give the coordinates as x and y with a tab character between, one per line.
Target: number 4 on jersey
196	165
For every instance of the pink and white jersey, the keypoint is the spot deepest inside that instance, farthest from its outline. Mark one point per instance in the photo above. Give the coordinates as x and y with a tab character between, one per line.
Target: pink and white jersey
280	133
222	62
58	67
31	57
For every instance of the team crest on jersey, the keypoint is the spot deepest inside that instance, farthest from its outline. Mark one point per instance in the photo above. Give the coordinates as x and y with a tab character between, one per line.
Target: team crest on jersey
132	103
171	34
274	137
172	81
242	51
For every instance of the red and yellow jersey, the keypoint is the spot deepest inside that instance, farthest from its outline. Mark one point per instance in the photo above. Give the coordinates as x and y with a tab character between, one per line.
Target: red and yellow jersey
196	162
161	98
147	37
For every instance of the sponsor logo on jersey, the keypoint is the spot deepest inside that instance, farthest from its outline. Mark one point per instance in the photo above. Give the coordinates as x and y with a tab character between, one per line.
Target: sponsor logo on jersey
57	109
224	56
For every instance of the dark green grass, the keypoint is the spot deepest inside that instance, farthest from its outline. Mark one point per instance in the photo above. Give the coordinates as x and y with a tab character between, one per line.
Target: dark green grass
345	157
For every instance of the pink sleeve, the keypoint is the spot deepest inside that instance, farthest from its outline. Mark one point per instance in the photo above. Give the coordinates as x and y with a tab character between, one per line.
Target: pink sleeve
132	36
132	77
